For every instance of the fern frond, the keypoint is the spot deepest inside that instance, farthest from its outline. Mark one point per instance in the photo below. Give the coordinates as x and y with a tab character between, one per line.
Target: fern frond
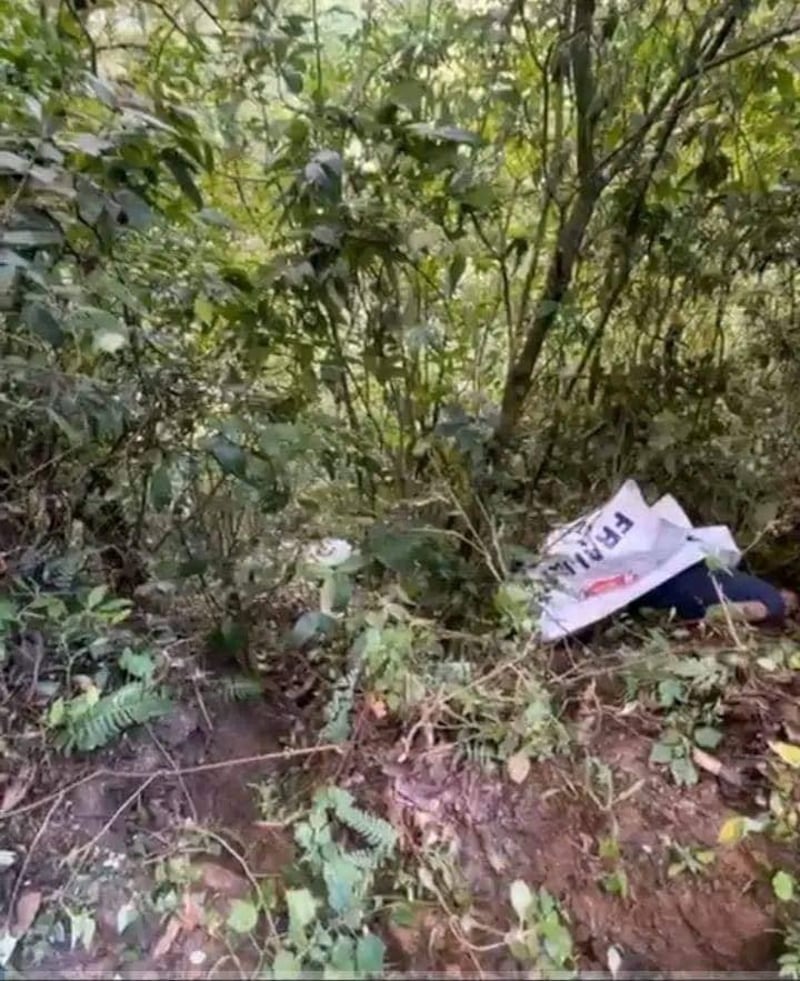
379	835
130	705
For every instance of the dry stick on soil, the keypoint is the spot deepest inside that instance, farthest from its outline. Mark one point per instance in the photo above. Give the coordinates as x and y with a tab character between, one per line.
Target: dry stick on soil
28	853
175	769
199	696
284	754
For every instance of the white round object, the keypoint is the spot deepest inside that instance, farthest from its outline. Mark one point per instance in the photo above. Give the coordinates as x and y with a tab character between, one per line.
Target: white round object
330	552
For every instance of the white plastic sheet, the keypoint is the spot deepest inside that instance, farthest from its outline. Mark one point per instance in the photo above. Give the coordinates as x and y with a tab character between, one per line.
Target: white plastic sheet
600	563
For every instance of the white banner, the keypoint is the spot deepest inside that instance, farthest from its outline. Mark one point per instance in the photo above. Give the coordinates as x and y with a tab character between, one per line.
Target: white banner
605	560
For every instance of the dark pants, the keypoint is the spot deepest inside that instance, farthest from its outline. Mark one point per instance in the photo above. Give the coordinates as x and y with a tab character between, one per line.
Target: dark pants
692	591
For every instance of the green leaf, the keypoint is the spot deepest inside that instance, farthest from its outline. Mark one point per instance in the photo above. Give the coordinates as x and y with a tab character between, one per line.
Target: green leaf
91	201
30	238
341	878
670	692
707	737
683	772
213	217
243	916
182	172
102	91
136	209
783	886
228	455
302	909
108	334
90	144
286	965
369	954
126	915
42	322
409	93
294	80
446	134
13	163
308	626
661	753
161	488
521	898
141	665
96	596
8	611
455	271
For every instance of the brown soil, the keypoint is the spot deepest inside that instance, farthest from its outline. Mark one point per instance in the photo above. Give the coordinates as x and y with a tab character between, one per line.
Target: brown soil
545	831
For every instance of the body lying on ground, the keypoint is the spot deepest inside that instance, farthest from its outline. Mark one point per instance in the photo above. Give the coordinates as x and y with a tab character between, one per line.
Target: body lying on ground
693	592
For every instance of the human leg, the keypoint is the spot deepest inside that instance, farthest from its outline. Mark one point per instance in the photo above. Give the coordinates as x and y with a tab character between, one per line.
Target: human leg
694	590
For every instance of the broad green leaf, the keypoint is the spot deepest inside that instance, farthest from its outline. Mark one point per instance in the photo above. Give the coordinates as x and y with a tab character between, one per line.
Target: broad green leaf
783	886
182	172
57	713
369	954
136	209
43	322
521	898
308	626
96	596
108	334
102	91
243	916
342	956
228	455
294	80
213	217
670	692
29	238
126	915
302	909
408	92
448	134
683	772
286	965
661	753
140	665
707	737
13	163
91	145
91	201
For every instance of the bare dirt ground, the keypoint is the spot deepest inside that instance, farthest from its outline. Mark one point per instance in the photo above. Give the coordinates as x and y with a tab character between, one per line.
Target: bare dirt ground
110	823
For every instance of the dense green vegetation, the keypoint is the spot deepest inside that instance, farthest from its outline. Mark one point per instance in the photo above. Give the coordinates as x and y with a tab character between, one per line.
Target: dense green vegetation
427	276
253	256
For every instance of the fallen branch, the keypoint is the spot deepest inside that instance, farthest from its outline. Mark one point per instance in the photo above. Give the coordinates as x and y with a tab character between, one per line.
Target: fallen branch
182	772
